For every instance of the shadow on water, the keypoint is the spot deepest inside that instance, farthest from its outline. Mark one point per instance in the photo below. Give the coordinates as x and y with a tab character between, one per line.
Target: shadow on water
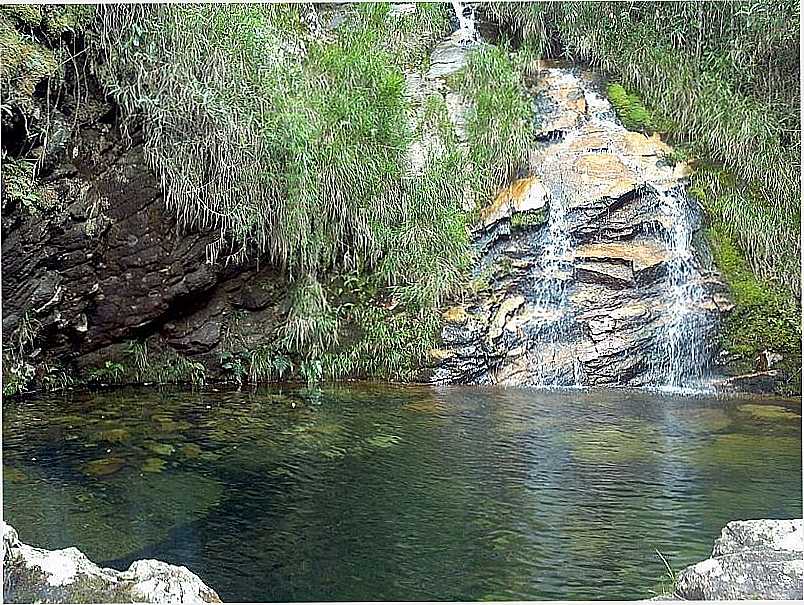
370	492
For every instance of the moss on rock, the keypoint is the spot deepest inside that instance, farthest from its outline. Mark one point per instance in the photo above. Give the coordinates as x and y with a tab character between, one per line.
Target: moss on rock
765	316
632	112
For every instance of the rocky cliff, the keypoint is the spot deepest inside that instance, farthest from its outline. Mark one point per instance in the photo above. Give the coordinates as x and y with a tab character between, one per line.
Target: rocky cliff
104	264
592	269
581	260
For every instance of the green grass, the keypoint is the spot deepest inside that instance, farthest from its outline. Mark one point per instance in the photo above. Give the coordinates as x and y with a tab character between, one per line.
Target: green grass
143	364
500	123
721	77
19	371
765	315
293	147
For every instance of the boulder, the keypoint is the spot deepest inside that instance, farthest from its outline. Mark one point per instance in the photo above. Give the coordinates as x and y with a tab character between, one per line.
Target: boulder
36	575
758	559
450	56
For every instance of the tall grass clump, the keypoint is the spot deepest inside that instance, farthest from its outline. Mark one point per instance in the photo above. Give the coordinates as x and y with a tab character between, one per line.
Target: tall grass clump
500	123
290	142
724	79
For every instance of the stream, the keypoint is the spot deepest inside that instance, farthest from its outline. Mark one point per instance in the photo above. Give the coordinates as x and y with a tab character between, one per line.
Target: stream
366	492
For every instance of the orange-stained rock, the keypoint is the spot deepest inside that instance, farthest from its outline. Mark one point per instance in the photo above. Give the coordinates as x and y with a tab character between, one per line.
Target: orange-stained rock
635	143
440	354
605	175
520	196
641	254
456	315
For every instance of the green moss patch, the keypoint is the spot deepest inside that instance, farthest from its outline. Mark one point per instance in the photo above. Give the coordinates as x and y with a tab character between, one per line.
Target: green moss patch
531	218
632	112
766	316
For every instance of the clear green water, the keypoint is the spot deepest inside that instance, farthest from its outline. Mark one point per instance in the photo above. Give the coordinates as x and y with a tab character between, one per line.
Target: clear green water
379	493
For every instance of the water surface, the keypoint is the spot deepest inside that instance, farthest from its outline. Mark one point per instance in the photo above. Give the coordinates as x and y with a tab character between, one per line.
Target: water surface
410	493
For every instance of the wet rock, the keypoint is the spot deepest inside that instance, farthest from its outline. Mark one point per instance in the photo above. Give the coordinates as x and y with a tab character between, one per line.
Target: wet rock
611	274
606	186
456	315
758	559
522	195
68	576
450	56
754	382
561	103
105	263
636	254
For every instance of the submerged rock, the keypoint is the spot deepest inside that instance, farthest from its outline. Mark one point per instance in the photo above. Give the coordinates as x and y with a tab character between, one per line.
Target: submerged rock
36	575
103	466
758	559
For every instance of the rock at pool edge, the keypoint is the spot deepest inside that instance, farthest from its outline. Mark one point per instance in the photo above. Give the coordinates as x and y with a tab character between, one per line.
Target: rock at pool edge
68	576
758	559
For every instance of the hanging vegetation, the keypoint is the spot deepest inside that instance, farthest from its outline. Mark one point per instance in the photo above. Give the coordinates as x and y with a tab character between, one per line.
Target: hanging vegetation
291	142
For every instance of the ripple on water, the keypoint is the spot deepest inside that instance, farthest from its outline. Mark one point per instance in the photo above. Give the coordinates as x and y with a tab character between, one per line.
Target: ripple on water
373	493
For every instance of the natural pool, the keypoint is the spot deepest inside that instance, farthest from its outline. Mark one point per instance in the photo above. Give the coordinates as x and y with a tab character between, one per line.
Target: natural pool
399	493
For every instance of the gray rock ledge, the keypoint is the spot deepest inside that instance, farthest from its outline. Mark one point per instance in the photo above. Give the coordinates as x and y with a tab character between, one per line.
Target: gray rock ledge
758	559
36	575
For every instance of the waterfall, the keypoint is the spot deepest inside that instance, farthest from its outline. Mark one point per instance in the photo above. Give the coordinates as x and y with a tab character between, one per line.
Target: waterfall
598	283
552	276
679	341
681	338
466	21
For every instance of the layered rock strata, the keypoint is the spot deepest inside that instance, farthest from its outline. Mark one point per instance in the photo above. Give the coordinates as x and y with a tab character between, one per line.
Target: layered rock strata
575	258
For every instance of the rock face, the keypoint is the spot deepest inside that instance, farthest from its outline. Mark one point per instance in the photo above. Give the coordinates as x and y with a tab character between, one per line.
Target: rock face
100	262
575	258
591	271
35	575
759	559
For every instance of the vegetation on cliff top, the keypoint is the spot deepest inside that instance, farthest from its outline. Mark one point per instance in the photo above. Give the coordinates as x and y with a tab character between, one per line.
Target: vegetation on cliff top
500	123
292	141
724	79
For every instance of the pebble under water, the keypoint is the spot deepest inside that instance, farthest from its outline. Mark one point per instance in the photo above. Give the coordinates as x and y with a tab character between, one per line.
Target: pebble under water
367	493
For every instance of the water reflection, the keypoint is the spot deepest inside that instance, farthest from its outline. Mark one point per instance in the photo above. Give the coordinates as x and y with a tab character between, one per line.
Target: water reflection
369	492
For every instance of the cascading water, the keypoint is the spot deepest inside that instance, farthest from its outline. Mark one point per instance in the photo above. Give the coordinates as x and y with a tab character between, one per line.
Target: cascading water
552	275
681	341
681	338
590	259
466	21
